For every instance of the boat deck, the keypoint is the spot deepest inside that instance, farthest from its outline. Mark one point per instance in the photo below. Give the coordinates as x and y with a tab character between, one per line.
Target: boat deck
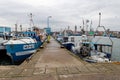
55	63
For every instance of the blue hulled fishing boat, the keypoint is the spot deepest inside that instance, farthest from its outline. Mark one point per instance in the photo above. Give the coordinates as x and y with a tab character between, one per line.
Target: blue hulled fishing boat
21	45
20	48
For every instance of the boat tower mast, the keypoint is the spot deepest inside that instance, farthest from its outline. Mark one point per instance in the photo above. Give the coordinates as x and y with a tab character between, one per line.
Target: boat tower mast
31	21
99	25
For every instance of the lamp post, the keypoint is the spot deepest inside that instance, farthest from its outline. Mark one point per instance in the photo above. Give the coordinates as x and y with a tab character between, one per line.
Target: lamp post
48	20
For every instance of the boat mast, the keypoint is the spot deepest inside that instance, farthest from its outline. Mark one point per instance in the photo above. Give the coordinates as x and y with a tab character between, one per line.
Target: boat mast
87	21
83	24
83	31
75	29
105	32
16	27
21	28
4	34
99	20
91	26
31	22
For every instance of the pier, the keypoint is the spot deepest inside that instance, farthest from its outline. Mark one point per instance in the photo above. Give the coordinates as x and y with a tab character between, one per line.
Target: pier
55	63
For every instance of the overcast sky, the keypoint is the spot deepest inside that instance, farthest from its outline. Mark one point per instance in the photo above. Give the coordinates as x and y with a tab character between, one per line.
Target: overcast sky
64	13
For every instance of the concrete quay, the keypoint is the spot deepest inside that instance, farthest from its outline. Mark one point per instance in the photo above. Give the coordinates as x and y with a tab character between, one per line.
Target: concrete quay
55	63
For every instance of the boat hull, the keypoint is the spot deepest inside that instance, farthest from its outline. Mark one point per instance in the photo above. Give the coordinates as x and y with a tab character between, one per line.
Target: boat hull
68	45
19	50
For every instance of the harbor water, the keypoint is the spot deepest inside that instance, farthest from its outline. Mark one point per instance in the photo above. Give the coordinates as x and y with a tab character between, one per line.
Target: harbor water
116	49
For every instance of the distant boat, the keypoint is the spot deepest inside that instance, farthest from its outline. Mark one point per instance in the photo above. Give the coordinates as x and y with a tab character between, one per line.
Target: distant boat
72	42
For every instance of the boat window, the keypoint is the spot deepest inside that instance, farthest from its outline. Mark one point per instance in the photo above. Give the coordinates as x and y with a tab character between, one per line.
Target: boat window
72	39
87	45
65	39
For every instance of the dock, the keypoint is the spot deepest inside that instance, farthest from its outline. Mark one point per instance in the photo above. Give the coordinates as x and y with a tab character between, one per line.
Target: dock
55	63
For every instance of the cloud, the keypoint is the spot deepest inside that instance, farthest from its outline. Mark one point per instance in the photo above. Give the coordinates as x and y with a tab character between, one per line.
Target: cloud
64	12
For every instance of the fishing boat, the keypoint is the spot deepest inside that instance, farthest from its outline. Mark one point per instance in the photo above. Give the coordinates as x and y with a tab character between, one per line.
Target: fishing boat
68	39
95	52
72	43
20	48
97	48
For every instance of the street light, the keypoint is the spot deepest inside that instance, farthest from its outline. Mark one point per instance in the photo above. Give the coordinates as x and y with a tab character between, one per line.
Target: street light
48	20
